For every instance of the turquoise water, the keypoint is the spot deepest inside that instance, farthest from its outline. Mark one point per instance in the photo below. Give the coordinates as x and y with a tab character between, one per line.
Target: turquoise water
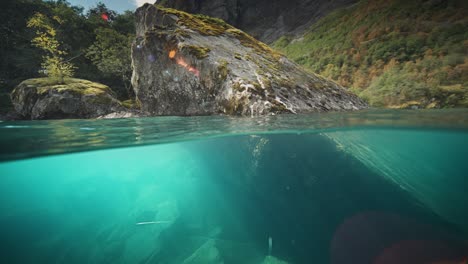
365	187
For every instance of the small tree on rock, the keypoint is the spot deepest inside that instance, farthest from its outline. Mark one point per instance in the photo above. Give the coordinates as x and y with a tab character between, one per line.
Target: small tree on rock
54	64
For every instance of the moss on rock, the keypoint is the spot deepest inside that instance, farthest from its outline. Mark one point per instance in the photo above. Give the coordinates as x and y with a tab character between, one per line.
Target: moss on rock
205	25
228	71
46	98
248	41
197	51
210	26
79	86
223	70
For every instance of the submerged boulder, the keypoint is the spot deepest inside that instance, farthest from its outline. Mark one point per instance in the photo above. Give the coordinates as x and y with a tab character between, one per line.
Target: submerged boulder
197	65
45	98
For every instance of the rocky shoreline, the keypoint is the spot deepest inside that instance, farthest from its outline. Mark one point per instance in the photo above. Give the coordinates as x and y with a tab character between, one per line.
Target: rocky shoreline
185	65
197	65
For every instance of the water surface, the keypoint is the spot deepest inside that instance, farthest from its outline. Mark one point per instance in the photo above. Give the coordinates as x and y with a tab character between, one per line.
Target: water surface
364	187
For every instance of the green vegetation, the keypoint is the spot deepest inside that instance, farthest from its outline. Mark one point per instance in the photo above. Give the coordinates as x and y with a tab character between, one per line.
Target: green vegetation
393	53
249	41
54	64
67	35
210	26
131	104
223	69
110	53
204	25
83	87
197	51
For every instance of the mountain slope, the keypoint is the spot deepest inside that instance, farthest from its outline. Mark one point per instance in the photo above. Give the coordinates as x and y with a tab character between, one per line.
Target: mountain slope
197	65
266	20
393	53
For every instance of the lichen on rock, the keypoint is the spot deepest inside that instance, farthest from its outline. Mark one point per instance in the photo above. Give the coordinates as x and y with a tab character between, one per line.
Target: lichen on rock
196	65
46	98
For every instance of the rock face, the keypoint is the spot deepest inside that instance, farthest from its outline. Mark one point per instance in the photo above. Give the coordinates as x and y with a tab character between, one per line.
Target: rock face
266	20
45	99
196	65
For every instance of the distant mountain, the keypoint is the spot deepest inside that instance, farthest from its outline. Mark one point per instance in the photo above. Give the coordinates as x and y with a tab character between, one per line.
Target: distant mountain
266	20
393	53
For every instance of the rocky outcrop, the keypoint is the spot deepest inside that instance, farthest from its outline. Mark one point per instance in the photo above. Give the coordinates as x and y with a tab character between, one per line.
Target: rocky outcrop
47	99
196	65
122	114
266	20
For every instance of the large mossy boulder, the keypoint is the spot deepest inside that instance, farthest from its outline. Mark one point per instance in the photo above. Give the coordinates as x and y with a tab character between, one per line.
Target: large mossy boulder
197	65
45	98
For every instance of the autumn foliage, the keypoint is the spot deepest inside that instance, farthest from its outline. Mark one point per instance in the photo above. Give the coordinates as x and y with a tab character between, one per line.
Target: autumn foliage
392	53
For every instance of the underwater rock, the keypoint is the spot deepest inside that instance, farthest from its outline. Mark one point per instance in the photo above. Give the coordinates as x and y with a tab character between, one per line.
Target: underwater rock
206	254
273	260
197	65
45	98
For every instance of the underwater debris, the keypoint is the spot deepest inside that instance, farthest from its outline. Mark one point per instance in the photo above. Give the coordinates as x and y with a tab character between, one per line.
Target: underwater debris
270	245
153	222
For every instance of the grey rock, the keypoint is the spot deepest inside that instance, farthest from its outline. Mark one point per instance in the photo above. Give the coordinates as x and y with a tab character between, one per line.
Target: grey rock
46	99
194	65
121	114
266	20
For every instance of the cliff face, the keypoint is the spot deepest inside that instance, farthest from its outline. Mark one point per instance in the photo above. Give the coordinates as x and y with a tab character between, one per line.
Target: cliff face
266	20
196	65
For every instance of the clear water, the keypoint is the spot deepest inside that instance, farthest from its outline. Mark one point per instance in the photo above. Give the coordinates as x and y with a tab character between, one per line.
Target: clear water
366	187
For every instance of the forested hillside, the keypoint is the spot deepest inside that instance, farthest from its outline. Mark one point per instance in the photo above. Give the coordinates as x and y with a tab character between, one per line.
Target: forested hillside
393	53
97	43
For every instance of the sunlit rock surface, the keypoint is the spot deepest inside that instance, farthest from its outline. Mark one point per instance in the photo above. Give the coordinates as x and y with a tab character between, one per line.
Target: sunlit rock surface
196	65
45	98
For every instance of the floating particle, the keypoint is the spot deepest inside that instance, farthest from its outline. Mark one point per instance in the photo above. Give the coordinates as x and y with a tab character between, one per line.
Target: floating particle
151	58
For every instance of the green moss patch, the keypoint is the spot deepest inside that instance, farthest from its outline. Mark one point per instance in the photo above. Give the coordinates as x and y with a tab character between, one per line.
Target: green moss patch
197	51
250	42
223	69
205	25
210	26
131	104
80	86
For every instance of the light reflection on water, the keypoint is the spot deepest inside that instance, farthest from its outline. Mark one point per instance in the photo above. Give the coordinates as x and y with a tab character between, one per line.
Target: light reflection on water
366	187
32	138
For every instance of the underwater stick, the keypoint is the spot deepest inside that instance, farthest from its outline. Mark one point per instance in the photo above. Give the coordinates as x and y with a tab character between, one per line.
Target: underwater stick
270	245
153	222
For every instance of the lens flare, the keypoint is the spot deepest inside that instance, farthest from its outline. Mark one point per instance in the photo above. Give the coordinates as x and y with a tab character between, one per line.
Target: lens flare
105	17
181	62
189	68
151	58
172	54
